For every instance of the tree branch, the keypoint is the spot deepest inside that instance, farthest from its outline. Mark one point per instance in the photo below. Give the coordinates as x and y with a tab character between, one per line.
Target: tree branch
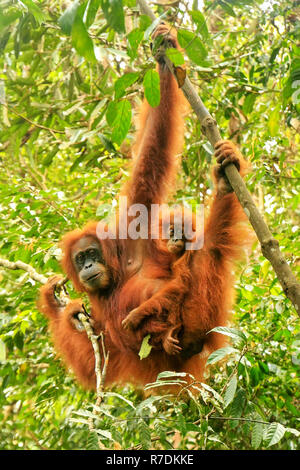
100	375
269	245
83	317
33	274
40	126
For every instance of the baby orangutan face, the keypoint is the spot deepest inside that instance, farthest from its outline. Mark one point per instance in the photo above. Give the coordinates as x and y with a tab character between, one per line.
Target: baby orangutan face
89	264
176	230
175	246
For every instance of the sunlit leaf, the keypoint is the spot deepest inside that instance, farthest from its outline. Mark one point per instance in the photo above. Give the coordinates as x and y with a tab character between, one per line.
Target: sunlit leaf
232	332
199	20
175	56
152	87
273	123
113	11
219	354
68	17
122	121
124	82
82	41
227	8
145	347
38	14
274	434
2	351
134	39
192	45
230	391
91	11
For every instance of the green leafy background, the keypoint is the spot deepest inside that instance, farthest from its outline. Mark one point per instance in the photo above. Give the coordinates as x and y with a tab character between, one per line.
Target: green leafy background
72	76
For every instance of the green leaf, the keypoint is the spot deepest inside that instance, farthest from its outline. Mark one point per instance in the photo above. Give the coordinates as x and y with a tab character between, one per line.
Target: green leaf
121	123
193	46
219	354
185	167
256	375
152	87
129	3
19	340
168	373
257	435
238	404
111	113
38	14
104	433
274	54
249	103
274	434
230	391
134	39
90	12
213	391
145	347
124	82
175	56
273	123
199	19
82	41
8	18
282	334
293	431
294	77
2	351
144	434
49	158
78	160
145	22
232	332
114	15
117	395
68	17
165	383
227	8
279	307
108	145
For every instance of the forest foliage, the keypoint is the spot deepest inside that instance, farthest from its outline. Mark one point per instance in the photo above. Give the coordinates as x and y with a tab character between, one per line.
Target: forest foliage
72	77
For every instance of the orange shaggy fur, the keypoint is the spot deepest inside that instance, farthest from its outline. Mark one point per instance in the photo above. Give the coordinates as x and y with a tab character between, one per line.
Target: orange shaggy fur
153	273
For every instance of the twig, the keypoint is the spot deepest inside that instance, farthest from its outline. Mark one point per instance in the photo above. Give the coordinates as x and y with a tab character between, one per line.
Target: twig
226	418
84	318
269	245
40	126
36	440
100	375
50	203
231	418
25	267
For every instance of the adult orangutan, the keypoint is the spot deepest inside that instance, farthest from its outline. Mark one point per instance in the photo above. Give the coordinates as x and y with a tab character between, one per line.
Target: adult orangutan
121	275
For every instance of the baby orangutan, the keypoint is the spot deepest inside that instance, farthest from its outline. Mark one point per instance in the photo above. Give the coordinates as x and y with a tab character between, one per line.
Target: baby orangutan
167	300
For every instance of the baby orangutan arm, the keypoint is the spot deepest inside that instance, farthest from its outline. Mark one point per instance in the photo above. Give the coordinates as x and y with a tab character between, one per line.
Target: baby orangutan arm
168	299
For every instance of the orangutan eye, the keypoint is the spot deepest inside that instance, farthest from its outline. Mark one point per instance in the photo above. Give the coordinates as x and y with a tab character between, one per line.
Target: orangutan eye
93	253
79	258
